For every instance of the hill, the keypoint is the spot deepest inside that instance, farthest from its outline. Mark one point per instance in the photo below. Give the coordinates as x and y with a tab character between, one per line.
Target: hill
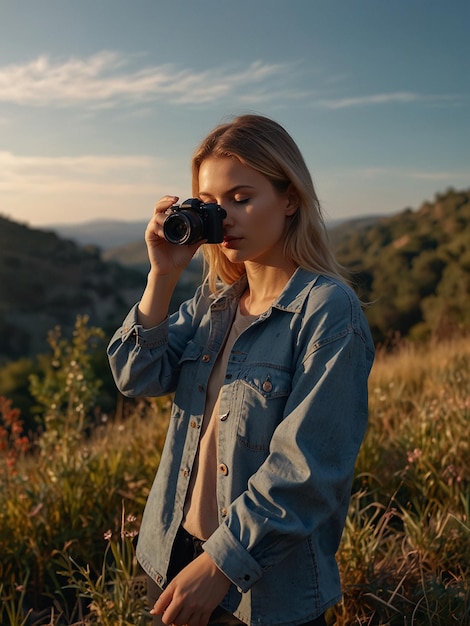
47	281
134	255
105	234
413	267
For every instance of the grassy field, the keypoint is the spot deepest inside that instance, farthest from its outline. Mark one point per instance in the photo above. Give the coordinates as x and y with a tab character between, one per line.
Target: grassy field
71	499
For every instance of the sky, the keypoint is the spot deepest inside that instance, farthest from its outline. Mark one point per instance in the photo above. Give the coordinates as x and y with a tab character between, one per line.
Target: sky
102	102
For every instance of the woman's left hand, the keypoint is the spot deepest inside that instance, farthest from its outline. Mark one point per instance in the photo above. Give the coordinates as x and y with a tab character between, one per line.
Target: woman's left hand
193	594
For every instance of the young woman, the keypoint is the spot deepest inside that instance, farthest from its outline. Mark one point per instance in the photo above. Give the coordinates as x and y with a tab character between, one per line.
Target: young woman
269	363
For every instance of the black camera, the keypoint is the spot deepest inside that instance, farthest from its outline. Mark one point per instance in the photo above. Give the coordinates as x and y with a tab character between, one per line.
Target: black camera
194	221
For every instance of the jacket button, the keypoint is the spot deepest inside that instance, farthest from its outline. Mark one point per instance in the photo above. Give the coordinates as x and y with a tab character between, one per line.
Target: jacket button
223	512
224	416
186	472
206	358
267	386
223	469
193	424
159	579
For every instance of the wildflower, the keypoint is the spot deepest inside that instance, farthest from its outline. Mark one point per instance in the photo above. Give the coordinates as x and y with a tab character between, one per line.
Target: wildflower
107	535
34	511
12	441
413	455
451	474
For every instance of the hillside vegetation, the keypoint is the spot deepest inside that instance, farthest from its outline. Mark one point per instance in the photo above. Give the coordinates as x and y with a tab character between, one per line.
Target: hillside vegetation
47	281
413	268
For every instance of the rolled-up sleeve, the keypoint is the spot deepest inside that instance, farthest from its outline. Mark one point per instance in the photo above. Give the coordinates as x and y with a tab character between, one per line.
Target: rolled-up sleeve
145	361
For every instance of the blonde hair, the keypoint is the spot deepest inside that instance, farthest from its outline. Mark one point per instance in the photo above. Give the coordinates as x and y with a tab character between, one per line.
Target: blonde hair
263	145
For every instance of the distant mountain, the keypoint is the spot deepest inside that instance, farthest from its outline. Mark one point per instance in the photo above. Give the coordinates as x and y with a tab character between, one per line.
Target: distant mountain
105	234
132	254
124	238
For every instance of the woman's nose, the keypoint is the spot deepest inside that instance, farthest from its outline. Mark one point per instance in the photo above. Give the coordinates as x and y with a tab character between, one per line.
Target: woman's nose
228	220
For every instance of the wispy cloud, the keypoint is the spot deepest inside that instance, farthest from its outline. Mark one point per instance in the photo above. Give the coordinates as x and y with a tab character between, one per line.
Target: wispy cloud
77	188
105	79
108	79
441	175
397	97
393	173
111	174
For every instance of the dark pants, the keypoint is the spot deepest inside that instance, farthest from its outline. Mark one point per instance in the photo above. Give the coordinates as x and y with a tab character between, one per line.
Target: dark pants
185	549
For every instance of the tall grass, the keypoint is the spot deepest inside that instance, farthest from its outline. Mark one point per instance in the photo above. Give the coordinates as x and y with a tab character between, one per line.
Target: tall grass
62	499
405	555
71	500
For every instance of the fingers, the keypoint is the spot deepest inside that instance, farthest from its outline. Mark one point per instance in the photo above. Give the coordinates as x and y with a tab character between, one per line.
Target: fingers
185	617
178	608
165	203
193	594
155	224
163	601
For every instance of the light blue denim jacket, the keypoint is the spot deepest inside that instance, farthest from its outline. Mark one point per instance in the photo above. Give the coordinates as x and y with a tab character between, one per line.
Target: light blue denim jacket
293	412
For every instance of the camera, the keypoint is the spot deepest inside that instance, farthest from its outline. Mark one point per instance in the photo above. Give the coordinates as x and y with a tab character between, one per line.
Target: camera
194	221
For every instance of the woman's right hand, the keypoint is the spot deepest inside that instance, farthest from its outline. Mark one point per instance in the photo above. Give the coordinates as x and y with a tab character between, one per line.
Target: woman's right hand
166	258
167	261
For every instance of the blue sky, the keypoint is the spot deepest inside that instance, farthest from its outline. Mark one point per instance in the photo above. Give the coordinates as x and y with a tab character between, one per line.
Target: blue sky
103	101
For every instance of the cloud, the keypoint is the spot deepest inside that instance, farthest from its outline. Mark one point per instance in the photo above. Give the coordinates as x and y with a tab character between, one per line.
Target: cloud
43	189
105	79
82	174
400	97
374	172
108	79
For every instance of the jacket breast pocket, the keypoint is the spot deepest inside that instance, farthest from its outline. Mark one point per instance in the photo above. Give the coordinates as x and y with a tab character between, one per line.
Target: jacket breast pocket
191	353
264	393
188	366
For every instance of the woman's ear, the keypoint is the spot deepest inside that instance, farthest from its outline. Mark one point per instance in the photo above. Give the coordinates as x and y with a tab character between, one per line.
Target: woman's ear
293	200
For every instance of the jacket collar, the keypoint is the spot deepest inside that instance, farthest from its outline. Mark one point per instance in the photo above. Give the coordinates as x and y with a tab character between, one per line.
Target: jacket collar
291	298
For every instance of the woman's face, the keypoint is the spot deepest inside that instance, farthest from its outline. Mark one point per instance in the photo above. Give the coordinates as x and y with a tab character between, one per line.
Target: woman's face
255	225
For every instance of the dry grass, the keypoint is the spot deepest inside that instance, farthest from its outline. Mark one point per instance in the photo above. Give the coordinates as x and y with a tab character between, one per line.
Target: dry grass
404	558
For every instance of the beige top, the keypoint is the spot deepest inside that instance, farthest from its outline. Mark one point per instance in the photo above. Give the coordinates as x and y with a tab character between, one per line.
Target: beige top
200	510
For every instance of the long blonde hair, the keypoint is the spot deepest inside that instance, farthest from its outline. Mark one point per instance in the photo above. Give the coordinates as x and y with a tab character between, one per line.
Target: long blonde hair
263	145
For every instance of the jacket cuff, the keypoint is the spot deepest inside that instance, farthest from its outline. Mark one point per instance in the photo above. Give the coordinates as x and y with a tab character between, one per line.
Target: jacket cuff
132	331
232	559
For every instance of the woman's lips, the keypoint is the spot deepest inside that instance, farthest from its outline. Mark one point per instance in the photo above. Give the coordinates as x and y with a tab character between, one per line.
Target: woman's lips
229	241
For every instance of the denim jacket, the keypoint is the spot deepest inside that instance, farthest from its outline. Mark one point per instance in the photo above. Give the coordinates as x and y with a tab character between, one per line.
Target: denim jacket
293	413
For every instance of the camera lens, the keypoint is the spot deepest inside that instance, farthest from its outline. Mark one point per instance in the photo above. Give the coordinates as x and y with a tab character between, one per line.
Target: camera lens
183	227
